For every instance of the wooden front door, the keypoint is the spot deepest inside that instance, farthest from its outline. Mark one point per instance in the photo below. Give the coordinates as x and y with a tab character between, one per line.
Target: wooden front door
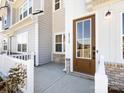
84	45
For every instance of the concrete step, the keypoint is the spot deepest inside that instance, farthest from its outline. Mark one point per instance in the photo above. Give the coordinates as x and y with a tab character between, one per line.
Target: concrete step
82	75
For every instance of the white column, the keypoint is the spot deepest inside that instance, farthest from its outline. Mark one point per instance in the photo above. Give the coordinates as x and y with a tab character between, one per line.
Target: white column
71	13
101	79
36	30
30	75
68	33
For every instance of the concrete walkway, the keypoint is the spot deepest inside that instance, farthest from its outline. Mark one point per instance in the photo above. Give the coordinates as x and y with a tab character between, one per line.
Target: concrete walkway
50	78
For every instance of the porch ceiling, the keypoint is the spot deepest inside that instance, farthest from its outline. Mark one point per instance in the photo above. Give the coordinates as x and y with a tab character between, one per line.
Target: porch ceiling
17	3
2	2
22	23
3	8
94	4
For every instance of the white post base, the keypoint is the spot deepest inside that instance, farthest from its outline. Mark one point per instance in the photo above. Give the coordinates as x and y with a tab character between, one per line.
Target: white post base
101	83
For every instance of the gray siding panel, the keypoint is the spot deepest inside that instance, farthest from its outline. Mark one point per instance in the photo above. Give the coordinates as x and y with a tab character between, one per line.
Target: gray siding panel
45	33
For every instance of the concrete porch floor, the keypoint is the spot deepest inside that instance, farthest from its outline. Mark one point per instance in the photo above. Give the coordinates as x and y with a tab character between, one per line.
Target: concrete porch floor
50	78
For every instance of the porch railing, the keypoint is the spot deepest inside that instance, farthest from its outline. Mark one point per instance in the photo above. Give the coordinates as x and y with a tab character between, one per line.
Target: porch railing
91	4
8	62
25	57
101	79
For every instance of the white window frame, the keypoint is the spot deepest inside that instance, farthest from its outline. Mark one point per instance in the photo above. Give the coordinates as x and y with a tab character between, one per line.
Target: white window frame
122	34
22	9
22	48
55	4
5	45
90	38
63	34
22	44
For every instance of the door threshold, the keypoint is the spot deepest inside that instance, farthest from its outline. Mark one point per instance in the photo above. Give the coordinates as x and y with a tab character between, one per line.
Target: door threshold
82	75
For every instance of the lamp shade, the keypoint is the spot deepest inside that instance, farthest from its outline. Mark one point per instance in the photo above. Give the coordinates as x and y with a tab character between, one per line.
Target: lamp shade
108	13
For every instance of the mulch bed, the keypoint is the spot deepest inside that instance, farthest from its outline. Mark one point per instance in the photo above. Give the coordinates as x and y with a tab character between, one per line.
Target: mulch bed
115	91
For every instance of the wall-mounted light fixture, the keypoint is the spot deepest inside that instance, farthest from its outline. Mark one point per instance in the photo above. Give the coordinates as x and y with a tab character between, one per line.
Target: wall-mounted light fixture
108	14
38	12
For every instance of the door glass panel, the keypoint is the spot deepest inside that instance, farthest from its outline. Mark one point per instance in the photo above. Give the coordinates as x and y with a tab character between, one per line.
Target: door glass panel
87	39
58	38
123	23
79	39
83	39
58	47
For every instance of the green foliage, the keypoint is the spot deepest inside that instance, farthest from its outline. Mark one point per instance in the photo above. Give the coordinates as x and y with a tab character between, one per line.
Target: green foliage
17	78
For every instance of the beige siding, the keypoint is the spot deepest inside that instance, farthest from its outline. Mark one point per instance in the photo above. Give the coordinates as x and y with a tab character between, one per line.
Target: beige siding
59	18
58	27
45	33
15	15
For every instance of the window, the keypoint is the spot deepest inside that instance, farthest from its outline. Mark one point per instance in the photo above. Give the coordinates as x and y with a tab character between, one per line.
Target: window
57	4
123	35
19	48
60	43
21	13
22	40
30	10
4	45
25	14
30	6
22	47
25	9
21	17
5	22
83	39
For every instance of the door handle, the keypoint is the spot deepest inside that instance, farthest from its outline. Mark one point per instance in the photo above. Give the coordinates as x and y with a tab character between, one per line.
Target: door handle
93	52
93	48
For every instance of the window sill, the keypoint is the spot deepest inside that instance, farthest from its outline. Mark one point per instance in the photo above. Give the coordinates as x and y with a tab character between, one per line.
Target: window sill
62	53
55	11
